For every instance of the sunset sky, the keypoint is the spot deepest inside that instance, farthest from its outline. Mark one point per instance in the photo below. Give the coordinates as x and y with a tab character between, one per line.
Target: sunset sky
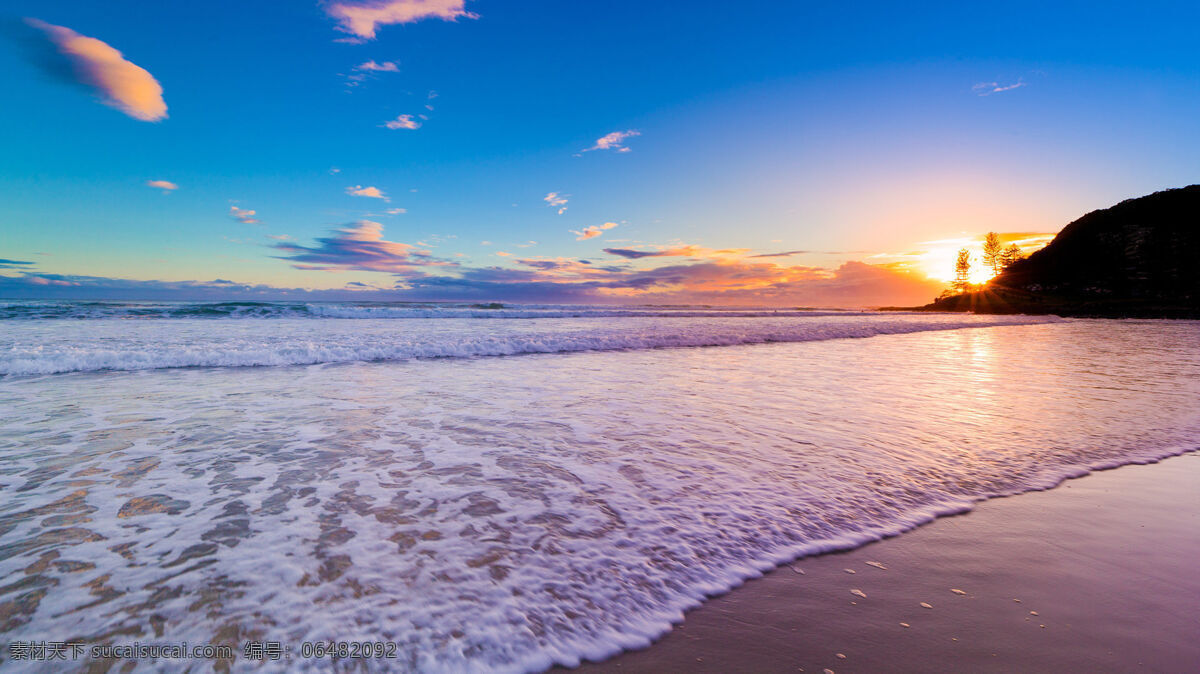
778	153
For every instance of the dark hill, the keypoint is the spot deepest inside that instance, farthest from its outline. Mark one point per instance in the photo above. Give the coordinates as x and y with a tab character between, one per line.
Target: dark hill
1138	258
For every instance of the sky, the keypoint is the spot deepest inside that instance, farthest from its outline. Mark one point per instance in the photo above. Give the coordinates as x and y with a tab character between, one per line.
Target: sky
757	153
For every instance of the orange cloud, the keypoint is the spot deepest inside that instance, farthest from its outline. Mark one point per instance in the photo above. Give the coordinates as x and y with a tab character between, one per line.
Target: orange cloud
124	85
362	19
164	185
679	251
372	192
244	216
555	200
403	122
853	284
592	231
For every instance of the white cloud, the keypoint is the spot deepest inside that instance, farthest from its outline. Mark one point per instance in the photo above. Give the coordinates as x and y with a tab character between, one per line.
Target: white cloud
385	67
365	70
555	200
396	211
164	185
592	231
362	19
989	88
372	192
614	141
403	122
124	85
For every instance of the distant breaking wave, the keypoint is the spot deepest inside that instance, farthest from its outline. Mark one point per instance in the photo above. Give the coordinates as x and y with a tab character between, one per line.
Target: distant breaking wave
266	310
51	347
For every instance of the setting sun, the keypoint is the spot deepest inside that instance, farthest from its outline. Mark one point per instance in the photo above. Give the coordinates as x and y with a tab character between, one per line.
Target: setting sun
937	260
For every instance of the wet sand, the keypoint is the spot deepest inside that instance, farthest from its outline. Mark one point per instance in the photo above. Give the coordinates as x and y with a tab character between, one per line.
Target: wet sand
1100	574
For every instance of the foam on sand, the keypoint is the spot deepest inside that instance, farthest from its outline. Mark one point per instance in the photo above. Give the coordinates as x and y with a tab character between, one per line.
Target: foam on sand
508	514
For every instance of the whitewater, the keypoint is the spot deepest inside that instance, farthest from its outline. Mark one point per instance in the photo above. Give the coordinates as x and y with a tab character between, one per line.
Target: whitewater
508	487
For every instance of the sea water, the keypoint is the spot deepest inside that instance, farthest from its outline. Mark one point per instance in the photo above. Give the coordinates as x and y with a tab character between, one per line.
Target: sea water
504	488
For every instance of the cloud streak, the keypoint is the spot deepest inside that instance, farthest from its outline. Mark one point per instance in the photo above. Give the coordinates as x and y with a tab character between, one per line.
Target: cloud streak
680	251
363	19
360	246
121	83
989	88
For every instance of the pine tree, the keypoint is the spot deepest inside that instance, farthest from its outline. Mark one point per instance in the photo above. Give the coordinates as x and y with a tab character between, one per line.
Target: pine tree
1010	255
962	271
993	253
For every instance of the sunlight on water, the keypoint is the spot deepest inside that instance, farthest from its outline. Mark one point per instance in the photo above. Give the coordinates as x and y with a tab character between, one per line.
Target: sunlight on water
510	513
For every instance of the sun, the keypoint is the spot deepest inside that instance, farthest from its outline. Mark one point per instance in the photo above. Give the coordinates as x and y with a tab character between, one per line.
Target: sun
938	261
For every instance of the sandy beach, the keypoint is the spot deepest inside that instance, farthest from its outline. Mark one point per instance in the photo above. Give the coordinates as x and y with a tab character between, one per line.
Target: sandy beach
1098	574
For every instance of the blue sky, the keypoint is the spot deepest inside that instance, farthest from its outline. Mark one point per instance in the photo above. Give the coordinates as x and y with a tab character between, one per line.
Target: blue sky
875	138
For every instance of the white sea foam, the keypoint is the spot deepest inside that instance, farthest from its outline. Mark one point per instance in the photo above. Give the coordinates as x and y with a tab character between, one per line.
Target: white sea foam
82	310
56	346
509	514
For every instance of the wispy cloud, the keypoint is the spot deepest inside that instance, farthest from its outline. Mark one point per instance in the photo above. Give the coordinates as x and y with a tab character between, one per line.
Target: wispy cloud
164	185
363	19
786	253
14	264
403	122
359	246
371	192
631	254
592	231
680	251
396	211
279	237
244	216
361	72
122	84
613	141
555	200
989	88
372	66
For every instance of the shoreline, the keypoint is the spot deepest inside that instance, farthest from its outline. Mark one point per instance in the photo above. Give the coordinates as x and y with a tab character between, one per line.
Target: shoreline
1105	562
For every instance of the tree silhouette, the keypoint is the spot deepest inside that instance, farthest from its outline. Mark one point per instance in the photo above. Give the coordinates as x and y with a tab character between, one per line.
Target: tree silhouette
1009	256
962	271
993	253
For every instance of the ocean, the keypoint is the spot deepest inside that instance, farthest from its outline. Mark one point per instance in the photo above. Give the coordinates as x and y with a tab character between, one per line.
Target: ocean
508	487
